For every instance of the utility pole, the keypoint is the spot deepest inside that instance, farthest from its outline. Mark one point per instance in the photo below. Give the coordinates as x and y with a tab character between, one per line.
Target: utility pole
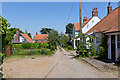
80	21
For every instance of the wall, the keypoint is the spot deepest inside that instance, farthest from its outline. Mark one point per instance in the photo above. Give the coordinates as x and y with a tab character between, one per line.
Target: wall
90	24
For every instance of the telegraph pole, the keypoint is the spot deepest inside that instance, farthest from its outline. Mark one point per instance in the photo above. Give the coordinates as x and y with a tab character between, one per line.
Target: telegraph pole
80	18
80	21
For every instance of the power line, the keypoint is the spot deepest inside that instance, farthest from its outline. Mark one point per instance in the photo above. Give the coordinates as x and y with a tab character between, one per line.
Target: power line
70	11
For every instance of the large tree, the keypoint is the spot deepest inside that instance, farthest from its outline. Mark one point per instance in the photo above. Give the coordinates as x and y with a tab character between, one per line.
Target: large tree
3	30
29	34
53	39
69	29
45	30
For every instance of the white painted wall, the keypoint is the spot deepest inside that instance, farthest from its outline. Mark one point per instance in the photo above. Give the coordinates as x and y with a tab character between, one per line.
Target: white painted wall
90	24
22	39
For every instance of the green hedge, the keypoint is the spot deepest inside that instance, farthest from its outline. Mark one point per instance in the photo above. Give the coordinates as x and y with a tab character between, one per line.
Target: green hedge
30	45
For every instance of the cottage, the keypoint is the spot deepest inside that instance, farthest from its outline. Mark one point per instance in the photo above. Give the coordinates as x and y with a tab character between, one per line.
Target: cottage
21	38
110	26
86	26
41	38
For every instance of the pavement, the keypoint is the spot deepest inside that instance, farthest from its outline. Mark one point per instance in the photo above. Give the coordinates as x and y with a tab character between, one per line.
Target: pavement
60	65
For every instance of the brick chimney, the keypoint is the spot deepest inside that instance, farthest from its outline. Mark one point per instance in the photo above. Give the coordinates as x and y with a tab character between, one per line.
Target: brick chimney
94	12
109	8
84	19
36	33
17	36
25	31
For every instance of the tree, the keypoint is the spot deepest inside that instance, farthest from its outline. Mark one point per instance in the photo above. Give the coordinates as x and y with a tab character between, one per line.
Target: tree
63	39
3	30
45	30
53	39
69	29
29	34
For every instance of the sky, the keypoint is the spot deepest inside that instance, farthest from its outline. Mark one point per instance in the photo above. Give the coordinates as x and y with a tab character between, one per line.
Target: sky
32	16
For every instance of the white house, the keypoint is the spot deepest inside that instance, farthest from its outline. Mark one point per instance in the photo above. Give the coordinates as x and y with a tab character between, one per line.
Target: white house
111	28
21	38
86	26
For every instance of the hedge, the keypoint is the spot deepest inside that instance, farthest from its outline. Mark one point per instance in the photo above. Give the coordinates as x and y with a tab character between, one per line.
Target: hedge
30	46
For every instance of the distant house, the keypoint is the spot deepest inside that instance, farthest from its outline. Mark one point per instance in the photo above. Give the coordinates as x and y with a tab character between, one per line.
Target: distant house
21	38
86	26
41	38
110	26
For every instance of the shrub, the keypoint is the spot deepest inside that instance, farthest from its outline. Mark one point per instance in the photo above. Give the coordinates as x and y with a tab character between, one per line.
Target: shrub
27	45
70	47
17	46
49	52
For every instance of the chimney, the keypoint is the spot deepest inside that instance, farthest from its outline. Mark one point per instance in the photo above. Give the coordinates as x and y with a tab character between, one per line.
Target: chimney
25	31
94	12
109	8
17	36
36	33
84	19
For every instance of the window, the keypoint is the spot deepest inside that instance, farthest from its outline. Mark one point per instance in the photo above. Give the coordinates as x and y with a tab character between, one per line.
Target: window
87	25
92	21
39	40
97	40
45	40
118	41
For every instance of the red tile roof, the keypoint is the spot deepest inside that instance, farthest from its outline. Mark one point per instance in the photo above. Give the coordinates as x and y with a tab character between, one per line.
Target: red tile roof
40	37
27	37
108	24
77	25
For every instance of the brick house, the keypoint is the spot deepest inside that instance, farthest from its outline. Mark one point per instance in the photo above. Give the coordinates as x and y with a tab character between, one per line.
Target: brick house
110	25
21	38
40	38
86	26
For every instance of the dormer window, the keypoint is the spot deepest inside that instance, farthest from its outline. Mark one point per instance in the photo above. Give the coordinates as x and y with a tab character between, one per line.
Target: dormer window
39	40
87	26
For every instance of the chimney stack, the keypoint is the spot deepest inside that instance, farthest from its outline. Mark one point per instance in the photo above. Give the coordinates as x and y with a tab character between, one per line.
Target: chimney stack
17	36
25	31
36	33
109	8
84	19
94	12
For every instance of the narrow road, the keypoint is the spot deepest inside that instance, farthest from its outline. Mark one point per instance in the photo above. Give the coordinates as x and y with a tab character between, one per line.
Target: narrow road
60	65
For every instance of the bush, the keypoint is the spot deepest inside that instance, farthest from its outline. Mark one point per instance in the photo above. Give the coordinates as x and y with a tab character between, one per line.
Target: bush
17	46
70	47
27	45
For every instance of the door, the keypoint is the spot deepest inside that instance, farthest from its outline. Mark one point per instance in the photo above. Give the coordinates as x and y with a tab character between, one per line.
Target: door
113	47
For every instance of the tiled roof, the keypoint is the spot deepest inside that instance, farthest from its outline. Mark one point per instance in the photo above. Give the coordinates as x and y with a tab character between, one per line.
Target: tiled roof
40	37
27	37
108	24
77	25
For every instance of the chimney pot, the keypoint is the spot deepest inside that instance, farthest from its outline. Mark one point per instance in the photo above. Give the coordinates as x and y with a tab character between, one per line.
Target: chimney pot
84	19
17	36
94	12
25	31
109	8
36	33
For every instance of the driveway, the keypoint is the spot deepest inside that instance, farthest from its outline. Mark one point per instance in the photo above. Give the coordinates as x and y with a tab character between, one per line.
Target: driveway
60	65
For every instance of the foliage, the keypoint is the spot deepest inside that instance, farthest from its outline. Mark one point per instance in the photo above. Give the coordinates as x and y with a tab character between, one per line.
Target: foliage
29	34
85	48
63	39
30	45
103	49
70	47
69	29
3	30
53	39
45	30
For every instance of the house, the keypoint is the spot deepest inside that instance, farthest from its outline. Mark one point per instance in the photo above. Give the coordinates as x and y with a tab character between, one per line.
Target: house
86	26
110	26
21	38
41	38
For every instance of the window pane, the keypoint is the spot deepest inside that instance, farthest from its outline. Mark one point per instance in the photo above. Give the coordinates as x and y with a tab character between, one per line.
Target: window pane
118	37
118	45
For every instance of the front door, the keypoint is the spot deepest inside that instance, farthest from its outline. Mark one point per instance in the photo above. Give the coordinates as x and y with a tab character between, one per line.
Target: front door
113	47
